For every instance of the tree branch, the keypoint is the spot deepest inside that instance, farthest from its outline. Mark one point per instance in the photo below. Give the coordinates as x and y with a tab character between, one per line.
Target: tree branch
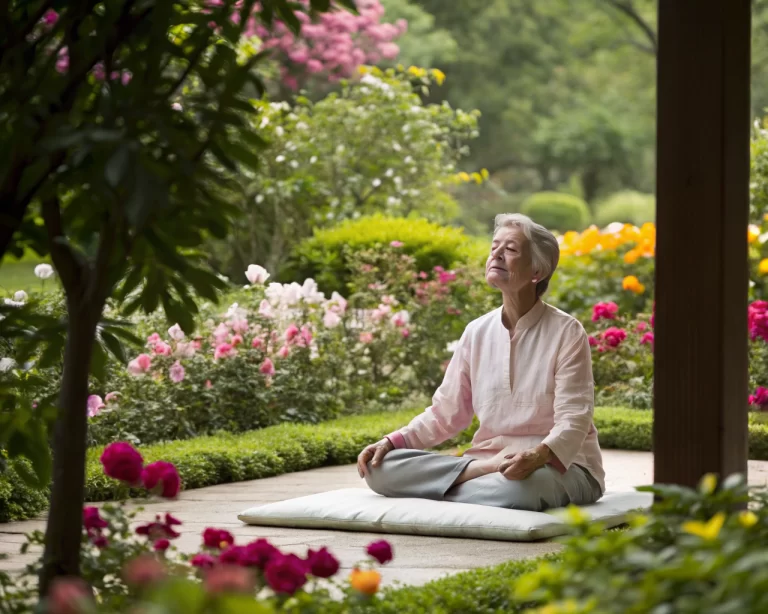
626	7
69	269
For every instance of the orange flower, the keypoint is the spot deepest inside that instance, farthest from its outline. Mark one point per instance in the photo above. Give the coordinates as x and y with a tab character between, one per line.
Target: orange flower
753	233
366	582
633	284
631	256
762	268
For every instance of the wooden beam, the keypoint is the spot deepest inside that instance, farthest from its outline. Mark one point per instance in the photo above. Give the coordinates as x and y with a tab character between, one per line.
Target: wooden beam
700	408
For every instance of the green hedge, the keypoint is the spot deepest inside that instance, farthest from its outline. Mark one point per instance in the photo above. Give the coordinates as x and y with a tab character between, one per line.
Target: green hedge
219	459
557	211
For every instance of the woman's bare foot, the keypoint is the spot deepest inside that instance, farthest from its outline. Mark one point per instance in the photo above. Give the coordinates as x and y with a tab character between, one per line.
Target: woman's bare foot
477	469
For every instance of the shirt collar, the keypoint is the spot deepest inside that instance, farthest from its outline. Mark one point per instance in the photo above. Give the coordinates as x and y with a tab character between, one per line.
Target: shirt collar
530	319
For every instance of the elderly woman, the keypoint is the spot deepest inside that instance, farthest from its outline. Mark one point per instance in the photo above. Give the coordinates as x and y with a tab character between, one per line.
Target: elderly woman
525	371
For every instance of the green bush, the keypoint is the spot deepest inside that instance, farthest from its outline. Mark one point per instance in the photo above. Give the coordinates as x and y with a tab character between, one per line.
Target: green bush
628	207
557	211
17	500
327	257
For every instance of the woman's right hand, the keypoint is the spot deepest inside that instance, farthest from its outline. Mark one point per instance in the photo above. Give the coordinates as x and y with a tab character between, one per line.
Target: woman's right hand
373	454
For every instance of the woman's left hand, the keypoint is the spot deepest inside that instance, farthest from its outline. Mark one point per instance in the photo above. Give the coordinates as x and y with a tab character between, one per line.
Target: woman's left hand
519	466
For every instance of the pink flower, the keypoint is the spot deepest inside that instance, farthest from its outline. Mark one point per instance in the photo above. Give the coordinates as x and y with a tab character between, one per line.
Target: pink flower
221	333
446	277
111	396
203	561
284	352
95	405
286	573
401	318
257	342
152	339
258	553
337	304
604	311
217	538
122	462
144	571
267	367
50	17
236	340
593	341
240	325
62	61
366	337
140	365
161	545
229	579
760	397
162	478
306	335
176	372
186	350
265	309
208	384
92	520
381	551
126	77
175	333
641	326
321	563
69	595
614	336
291	332
223	350
647	339
396	244
331	319
161	348
405	333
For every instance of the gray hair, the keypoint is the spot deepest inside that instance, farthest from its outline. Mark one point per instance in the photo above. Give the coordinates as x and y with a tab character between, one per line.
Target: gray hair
545	250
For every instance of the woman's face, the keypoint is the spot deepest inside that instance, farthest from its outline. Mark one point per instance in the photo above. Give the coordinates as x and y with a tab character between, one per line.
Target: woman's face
509	267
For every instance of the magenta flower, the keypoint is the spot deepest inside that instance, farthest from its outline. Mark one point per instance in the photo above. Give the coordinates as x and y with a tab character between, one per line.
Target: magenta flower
286	573
605	311
267	367
236	340
322	564
161	545
62	61
446	277
50	17
647	339
401	318
92	520
162	478
614	336
257	342
381	551
258	554
291	332
203	561
593	341
396	244
122	462
161	348
95	405
217	538
759	398
284	351
223	350
231	555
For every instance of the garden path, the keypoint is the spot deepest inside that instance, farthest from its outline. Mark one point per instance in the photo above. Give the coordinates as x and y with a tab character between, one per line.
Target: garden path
417	559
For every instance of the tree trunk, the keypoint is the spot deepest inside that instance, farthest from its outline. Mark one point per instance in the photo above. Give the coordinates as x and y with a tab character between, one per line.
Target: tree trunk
65	518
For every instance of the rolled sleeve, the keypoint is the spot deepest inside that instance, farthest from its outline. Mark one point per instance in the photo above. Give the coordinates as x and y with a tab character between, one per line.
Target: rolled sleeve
574	401
451	411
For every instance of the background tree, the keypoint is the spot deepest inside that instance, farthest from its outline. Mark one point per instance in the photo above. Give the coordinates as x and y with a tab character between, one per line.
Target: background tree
109	117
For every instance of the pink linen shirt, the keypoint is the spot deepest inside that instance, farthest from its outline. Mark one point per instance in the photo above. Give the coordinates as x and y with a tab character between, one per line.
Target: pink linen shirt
529	386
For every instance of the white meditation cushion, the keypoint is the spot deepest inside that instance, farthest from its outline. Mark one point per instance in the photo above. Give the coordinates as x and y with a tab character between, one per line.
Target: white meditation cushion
360	509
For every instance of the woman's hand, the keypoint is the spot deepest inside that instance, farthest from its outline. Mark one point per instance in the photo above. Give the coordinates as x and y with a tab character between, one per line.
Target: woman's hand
519	466
373	454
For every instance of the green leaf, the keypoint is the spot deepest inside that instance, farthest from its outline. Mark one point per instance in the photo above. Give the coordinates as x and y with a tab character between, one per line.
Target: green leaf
114	346
99	362
117	165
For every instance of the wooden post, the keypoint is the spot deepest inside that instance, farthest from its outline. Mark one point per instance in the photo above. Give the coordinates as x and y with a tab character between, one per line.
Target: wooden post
700	407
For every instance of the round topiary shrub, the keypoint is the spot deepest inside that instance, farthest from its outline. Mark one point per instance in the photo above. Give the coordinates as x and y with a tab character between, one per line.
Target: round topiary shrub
557	211
326	257
628	207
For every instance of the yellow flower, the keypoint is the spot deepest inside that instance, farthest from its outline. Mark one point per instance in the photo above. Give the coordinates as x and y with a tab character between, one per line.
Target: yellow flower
363	70
477	177
417	72
753	232
485	174
633	284
439	75
706	530
365	581
747	519
638	520
464	176
763	267
632	256
708	484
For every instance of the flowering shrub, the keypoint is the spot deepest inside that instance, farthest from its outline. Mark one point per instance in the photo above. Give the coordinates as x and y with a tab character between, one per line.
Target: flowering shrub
695	552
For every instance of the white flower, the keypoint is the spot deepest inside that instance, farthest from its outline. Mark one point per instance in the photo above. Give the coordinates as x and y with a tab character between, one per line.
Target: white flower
294	164
274	293
236	312
6	364
291	294
280	158
310	293
257	274
265	309
20	296
340	149
451	347
301	126
175	333
614	227
259	199
337	303
12	303
44	271
264	123
331	319
176	106
408	160
376	183
313	159
401	318
389	172
279	131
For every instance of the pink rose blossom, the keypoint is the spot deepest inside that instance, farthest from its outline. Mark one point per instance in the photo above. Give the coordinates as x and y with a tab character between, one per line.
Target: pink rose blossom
95	405
405	333
265	309
62	61
161	348
162	478
111	396
647	339
760	397
50	17
593	341
331	319
257	342
236	340
396	244
144	571
69	595
366	337
446	277
175	333
208	384
140	365
306	335
641	326
221	333
291	332
614	336
223	350
284	351
401	318
605	311
152	339
176	372
267	367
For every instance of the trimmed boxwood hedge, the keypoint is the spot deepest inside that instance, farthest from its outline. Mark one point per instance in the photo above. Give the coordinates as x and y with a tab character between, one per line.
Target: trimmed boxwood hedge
286	448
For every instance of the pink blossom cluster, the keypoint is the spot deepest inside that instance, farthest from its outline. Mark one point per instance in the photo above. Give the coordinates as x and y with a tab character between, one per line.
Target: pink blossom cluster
759	398
757	320
604	311
123	462
332	45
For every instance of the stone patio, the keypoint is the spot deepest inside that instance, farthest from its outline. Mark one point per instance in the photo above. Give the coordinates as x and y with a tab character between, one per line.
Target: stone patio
417	559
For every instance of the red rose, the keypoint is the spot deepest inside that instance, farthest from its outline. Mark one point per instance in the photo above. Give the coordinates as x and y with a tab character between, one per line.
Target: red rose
217	538
123	462
286	573
322	564
381	551
162	478
92	520
203	561
258	553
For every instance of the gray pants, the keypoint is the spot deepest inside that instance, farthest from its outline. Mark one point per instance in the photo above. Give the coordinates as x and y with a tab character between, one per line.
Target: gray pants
426	475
